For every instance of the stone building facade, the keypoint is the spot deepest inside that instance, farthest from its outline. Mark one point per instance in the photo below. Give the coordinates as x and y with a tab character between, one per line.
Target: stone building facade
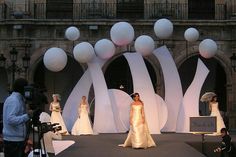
32	27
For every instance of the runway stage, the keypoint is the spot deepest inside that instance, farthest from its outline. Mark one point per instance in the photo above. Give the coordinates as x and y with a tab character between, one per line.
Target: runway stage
168	145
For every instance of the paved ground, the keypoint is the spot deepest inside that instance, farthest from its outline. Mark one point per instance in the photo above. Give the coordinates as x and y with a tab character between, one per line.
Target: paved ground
168	145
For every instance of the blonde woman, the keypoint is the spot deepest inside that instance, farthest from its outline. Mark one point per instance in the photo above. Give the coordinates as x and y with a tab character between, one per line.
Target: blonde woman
82	125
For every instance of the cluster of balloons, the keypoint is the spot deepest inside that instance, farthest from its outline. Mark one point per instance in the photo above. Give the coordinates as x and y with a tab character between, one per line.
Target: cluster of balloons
122	34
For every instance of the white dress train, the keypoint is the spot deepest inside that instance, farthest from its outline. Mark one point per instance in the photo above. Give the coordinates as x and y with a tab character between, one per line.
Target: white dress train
57	118
82	125
219	120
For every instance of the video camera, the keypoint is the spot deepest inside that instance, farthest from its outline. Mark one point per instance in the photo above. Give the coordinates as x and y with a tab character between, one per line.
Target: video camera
45	127
36	101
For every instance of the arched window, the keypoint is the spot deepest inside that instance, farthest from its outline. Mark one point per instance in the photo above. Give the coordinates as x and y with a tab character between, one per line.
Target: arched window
215	81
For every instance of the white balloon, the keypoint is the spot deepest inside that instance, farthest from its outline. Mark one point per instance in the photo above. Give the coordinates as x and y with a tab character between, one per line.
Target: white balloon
55	59
104	48
83	52
31	154
144	44
72	33
122	33
163	28
207	48
191	34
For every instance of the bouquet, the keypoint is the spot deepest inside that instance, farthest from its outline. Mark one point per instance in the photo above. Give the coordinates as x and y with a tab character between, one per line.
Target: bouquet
57	109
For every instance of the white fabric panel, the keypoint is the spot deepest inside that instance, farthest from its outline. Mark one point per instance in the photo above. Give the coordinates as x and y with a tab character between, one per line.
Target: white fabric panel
104	121
173	87
190	104
162	111
60	145
70	110
121	107
143	85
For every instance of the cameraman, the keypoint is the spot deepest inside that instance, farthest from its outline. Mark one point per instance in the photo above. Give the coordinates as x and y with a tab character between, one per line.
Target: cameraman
14	121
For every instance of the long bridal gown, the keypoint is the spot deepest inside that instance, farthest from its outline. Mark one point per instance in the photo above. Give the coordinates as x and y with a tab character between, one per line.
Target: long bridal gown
139	136
219	120
57	118
82	125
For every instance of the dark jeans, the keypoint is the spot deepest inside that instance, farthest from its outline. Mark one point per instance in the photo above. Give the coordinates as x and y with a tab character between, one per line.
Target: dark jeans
14	149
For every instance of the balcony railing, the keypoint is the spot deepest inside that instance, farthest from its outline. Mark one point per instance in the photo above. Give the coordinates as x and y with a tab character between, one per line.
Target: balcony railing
113	11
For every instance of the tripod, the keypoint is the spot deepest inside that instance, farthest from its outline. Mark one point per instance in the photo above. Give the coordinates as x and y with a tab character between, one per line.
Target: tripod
39	149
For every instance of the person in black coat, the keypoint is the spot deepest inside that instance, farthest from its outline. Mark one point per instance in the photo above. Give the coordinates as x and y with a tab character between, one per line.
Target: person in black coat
226	147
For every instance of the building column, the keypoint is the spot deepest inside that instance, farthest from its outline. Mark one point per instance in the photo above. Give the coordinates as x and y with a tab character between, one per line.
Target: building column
232	103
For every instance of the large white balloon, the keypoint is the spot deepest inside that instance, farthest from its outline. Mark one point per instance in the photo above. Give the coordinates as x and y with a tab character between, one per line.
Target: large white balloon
191	34
144	44
55	59
163	28
72	33
122	33
207	48
83	52
105	48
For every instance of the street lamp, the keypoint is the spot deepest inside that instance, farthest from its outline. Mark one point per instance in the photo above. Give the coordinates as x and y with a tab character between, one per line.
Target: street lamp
26	62
233	62
13	68
13	57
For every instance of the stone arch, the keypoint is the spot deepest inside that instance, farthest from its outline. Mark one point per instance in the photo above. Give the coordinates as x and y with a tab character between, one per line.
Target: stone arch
67	78
222	59
150	62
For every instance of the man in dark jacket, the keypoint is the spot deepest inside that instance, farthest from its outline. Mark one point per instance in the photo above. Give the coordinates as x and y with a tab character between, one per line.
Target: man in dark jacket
225	148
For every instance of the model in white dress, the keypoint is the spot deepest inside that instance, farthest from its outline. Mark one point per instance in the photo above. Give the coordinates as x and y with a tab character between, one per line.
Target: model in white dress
82	125
56	117
139	136
213	105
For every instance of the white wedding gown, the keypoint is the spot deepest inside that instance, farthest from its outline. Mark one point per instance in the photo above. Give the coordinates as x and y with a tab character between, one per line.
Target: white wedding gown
82	125
138	136
57	118
219	120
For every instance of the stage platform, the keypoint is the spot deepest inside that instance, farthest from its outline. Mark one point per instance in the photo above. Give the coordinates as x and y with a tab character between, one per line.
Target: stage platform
168	145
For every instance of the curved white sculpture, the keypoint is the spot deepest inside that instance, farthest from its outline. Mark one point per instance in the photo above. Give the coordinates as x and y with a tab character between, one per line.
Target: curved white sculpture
173	87
190	104
102	101
143	85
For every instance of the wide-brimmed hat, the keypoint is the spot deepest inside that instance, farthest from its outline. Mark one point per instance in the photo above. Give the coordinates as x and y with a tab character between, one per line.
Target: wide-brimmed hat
58	96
